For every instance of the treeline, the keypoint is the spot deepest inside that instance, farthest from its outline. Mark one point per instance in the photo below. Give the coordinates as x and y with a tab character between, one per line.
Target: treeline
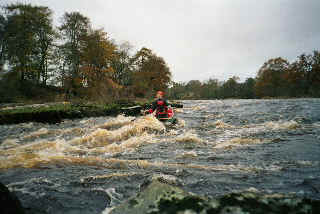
276	78
74	59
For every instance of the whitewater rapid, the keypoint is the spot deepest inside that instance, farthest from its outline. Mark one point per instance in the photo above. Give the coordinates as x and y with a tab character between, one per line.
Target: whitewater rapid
217	146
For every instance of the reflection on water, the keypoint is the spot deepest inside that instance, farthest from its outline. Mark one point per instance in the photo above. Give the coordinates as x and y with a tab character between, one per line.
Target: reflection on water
216	147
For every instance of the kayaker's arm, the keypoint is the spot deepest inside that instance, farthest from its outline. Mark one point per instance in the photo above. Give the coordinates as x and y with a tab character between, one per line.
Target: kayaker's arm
153	107
167	103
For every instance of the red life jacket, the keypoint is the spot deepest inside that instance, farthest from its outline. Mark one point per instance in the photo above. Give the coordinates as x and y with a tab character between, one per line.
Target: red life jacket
160	102
161	107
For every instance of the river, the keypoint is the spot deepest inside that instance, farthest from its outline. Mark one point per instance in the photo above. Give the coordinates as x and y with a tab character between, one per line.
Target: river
217	147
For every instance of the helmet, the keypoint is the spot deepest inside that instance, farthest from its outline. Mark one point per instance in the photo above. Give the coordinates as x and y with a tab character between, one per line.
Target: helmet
161	93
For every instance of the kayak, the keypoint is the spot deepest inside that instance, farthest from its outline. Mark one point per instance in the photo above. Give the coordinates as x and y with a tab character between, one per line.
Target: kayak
170	115
170	118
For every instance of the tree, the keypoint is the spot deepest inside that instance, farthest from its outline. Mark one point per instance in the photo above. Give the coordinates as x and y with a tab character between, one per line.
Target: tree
270	78
210	89
177	90
304	67
3	23
295	80
28	35
314	79
96	57
20	38
151	73
45	36
247	89
230	89
122	65
193	89
141	57
74	29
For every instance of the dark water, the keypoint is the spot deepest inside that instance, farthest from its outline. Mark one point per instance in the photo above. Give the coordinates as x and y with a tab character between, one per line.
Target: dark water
90	165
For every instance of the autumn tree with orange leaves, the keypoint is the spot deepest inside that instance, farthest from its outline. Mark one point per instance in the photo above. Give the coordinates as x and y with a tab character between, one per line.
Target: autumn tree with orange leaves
151	73
270	78
97	53
303	76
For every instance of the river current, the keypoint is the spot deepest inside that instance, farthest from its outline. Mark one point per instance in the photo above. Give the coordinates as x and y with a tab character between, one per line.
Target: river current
218	146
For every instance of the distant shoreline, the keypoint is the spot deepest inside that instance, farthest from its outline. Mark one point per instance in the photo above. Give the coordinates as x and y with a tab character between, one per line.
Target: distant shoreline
263	98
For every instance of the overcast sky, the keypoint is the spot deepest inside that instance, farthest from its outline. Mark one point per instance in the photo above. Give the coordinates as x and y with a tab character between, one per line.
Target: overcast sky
201	39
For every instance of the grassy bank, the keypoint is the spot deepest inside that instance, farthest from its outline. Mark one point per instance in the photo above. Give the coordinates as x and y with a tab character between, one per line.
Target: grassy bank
58	112
55	113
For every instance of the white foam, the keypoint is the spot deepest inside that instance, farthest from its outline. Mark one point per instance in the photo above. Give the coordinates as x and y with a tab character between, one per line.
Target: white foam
282	125
189	154
181	123
236	142
120	120
178	110
188	137
107	210
308	163
9	143
317	124
172	132
38	133
219	124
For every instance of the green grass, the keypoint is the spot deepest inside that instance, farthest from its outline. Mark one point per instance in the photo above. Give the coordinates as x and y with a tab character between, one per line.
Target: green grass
57	112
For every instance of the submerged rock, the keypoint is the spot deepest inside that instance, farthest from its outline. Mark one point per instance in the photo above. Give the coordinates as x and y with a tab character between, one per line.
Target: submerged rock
159	197
9	202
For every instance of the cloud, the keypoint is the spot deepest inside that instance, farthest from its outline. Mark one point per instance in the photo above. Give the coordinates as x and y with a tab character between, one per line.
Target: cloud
203	38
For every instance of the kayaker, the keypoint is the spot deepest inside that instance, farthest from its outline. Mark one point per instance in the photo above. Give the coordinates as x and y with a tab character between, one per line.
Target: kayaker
160	106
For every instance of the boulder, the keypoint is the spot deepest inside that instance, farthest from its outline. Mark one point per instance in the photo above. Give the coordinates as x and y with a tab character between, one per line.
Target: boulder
159	197
9	202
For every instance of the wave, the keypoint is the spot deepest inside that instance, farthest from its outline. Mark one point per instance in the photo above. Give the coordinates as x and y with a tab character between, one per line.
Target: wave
98	142
236	142
188	137
280	125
